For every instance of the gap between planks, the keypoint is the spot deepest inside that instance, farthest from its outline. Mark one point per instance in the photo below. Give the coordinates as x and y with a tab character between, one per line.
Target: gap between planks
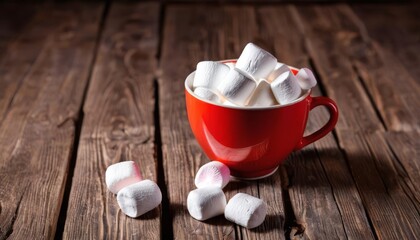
78	129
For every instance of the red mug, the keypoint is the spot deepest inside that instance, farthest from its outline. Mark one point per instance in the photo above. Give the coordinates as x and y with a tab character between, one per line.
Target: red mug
254	141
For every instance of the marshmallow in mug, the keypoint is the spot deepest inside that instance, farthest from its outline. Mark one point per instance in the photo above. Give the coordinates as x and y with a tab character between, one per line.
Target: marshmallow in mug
209	74
256	62
139	198
122	174
285	88
279	69
306	78
208	94
246	210
206	202
214	174
263	95
237	87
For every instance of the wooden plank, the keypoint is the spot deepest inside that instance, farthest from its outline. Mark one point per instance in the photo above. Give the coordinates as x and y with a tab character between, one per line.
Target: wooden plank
322	32
216	36
37	133
389	207
406	147
396	29
323	195
392	211
20	52
118	126
13	19
377	68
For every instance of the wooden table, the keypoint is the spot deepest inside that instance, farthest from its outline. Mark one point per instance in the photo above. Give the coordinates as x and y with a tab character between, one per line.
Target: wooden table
83	86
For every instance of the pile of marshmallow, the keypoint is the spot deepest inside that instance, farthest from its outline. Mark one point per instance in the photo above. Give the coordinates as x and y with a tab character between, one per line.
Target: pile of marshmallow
135	196
208	200
257	79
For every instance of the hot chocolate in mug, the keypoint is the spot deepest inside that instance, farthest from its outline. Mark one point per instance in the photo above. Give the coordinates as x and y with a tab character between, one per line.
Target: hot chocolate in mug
254	141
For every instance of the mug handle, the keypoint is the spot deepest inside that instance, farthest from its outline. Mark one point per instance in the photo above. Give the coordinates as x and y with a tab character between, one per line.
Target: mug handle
328	127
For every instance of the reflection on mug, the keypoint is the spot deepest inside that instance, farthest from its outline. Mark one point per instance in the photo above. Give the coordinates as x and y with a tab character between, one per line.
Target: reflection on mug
221	151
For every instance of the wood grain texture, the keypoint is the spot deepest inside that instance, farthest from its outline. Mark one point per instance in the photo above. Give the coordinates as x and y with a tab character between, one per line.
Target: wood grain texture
406	148
376	67
118	126
37	131
216	36
390	209
13	20
319	183
395	28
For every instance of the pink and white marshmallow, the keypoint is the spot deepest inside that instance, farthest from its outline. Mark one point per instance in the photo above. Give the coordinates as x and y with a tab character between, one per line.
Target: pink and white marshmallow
122	174
246	210
215	174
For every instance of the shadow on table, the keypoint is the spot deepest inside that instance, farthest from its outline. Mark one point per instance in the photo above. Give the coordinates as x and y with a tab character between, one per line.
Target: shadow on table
317	168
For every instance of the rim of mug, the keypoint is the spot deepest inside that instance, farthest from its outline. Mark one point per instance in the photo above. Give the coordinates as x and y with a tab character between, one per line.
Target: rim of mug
189	90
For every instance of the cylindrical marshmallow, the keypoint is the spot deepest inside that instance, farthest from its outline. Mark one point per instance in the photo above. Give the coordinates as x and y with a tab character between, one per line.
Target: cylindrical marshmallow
256	62
236	87
209	74
214	174
139	198
306	78
208	94
122	174
207	202
246	211
279	69
263	95
285	88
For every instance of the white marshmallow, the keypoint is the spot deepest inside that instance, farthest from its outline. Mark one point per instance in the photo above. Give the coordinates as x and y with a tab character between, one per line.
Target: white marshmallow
208	94
122	174
246	211
286	88
139	198
256	62
279	69
209	74
263	95
214	174
207	202
231	65
236	87
306	78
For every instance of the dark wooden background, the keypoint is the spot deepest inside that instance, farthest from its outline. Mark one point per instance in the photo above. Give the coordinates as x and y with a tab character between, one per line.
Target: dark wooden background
87	84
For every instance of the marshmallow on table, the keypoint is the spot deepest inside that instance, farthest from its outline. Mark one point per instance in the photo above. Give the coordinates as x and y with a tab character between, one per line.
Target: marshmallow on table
209	74
279	69
120	175
207	202
286	88
263	95
306	78
256	62
207	94
139	198
237	87
246	211
214	174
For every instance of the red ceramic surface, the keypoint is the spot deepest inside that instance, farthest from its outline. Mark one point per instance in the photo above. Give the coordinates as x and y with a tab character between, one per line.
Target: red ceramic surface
253	142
